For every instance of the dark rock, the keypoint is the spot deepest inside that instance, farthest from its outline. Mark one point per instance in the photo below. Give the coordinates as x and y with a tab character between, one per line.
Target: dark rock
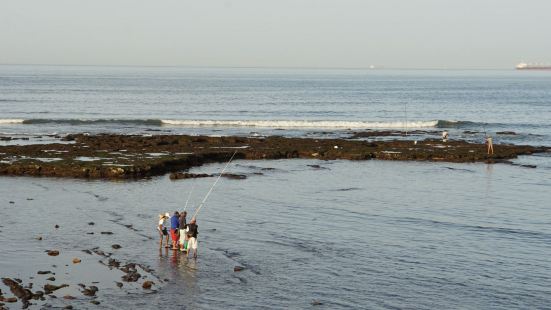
39	238
119	284
234	176
131	277
88	292
238	268
87	251
509	133
51	279
49	288
116	246
68	307
56	226
106	233
180	175
91	223
69	297
12	202
16	289
30	199
95	302
147	285
90	233
81	285
316	303
43	272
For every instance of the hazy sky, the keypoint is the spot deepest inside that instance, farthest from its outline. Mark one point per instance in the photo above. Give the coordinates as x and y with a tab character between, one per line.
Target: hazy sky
277	33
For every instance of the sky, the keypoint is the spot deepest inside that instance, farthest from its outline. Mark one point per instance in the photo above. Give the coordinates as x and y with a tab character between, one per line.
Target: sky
277	33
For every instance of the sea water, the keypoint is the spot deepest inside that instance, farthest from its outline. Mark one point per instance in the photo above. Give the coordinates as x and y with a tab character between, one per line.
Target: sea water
346	234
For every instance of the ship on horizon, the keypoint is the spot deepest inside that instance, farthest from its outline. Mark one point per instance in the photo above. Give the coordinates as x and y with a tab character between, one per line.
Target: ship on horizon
527	66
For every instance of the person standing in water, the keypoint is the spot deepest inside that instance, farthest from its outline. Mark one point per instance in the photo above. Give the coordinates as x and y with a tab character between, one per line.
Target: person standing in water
182	226
192	231
490	145
174	223
162	228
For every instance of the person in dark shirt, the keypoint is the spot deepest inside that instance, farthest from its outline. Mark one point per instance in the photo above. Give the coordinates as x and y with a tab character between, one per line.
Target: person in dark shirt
192	231
174	223
182	226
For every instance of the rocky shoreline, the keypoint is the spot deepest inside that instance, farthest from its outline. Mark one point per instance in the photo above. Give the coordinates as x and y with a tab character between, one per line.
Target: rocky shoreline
110	156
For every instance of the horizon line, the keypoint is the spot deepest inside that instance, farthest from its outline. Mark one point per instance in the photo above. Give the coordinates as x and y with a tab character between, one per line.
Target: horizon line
373	67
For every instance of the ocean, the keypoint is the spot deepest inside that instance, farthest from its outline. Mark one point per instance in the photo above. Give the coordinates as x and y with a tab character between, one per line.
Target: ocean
310	234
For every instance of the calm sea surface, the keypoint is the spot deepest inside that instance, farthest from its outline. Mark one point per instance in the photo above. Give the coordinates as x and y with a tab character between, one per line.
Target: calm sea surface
370	234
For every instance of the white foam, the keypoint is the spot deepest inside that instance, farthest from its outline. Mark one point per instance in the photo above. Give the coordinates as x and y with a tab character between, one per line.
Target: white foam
299	124
11	121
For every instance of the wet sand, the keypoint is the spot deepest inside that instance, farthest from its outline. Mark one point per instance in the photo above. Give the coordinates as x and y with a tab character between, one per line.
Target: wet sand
111	156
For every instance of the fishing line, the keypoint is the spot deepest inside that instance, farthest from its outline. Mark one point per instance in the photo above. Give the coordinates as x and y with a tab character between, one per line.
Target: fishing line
212	187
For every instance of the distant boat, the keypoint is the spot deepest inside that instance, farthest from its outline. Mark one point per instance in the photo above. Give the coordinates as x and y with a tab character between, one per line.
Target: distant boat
527	66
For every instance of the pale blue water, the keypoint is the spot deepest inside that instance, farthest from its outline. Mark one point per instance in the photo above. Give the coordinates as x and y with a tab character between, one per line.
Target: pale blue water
370	234
122	99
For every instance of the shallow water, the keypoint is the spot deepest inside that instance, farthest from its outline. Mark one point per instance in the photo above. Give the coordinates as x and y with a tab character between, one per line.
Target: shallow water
349	234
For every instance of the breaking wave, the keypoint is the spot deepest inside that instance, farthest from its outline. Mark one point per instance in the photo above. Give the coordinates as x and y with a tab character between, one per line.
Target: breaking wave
314	124
298	124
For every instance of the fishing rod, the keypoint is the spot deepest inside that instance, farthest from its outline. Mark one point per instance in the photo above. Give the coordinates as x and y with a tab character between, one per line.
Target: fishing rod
189	195
212	187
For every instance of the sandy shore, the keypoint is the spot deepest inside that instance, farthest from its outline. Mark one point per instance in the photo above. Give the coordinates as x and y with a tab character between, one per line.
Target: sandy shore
126	156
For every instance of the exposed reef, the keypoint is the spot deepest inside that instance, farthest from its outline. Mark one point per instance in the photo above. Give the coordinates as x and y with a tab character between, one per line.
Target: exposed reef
111	156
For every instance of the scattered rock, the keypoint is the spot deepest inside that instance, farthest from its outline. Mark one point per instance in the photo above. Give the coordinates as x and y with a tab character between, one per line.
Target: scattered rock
181	175
119	284
147	285
49	288
51	279
87	251
39	238
53	252
76	260
238	268
43	272
69	297
316	303
234	176
95	302
106	233
116	246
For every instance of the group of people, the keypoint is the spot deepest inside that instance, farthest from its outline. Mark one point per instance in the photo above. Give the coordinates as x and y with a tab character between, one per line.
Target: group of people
182	234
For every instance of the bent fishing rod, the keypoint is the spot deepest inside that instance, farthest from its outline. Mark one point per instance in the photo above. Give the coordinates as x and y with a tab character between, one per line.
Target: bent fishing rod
212	187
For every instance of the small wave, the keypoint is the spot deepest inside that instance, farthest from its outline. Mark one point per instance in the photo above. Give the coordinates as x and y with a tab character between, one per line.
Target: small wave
11	121
298	124
77	122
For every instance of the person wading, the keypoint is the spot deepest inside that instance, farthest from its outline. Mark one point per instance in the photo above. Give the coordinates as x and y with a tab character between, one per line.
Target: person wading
182	226
192	231
174	223
162	228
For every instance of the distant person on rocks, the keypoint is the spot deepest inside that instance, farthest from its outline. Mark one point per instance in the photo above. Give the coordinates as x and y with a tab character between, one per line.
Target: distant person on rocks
490	145
174	223
192	237
182	226
162	228
445	136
